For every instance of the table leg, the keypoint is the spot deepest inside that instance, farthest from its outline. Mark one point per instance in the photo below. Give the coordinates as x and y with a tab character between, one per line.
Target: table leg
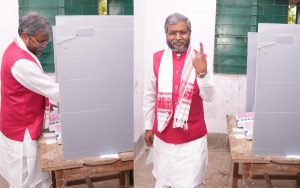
122	180
131	177
89	182
53	179
298	181
60	182
268	180
246	175
235	175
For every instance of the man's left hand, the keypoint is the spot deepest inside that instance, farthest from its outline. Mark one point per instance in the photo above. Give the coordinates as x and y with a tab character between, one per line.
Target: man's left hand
148	137
199	61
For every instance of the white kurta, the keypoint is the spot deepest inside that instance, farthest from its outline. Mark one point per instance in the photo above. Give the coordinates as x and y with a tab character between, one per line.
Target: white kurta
19	163
177	165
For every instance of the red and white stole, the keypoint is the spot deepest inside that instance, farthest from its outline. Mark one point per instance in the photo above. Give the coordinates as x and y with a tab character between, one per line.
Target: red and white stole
164	95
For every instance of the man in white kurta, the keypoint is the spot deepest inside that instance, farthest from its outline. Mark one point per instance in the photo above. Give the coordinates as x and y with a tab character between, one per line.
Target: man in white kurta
19	163
173	108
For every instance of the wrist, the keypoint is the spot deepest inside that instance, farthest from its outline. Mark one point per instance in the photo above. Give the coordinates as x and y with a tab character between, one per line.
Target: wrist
201	74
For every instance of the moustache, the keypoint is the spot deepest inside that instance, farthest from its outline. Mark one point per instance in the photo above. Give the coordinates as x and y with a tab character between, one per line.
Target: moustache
178	42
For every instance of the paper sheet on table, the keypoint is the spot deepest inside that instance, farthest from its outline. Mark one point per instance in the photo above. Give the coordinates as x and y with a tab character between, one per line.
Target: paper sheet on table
116	156
293	156
47	135
239	136
51	141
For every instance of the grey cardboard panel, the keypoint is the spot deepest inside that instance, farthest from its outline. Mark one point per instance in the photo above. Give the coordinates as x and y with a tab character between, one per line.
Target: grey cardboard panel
276	98
276	134
251	71
73	59
98	132
94	57
277	104
70	21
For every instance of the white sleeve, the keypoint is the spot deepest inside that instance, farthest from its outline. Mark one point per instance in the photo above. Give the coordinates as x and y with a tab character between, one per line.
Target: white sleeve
149	99
207	86
31	76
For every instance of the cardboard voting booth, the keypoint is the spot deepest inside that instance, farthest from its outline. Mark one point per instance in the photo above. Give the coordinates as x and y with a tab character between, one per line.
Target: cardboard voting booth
277	89
94	68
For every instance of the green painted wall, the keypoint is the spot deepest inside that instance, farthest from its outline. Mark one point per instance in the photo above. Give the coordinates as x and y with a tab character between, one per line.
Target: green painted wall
120	7
81	7
234	19
51	8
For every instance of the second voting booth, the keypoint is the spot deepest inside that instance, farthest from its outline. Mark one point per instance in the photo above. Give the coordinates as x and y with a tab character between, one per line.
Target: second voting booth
264	141
273	89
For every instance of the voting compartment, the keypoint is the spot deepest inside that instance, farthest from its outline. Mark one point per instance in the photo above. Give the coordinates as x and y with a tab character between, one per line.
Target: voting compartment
94	66
277	91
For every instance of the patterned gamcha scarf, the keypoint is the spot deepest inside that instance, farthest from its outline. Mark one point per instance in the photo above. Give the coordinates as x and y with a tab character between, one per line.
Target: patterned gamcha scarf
164	95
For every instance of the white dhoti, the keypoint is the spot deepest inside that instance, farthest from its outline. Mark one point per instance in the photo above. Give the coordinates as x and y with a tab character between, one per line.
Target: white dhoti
19	163
180	165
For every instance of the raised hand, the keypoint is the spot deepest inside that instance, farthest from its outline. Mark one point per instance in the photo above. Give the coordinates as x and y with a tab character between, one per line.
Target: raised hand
199	61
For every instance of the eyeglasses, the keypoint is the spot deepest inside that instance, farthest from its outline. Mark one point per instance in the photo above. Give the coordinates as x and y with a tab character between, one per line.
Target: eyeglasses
174	33
40	44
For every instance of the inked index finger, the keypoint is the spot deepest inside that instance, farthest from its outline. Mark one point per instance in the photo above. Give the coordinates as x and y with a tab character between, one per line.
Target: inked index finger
201	48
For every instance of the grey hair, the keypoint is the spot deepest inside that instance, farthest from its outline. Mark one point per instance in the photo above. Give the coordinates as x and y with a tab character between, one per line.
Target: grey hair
33	22
175	18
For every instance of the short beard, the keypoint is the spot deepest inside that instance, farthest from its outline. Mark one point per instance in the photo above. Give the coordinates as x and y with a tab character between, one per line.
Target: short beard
178	50
35	51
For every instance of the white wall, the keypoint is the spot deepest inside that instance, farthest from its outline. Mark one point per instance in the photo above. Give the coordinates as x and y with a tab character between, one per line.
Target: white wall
9	15
230	98
149	37
139	35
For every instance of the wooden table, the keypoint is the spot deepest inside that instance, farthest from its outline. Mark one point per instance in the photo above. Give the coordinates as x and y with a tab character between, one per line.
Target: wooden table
254	166
82	170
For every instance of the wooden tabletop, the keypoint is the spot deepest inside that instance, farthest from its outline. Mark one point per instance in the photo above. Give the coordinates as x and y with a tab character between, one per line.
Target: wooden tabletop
51	158
241	149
